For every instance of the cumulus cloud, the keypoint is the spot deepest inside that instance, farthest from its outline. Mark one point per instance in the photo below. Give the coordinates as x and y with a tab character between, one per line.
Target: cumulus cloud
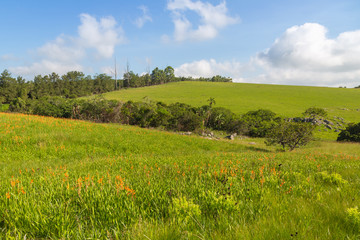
62	49
66	52
212	19
210	68
139	22
305	55
101	35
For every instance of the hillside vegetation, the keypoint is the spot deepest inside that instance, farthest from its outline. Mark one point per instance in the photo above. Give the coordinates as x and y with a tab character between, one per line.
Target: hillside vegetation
288	101
74	180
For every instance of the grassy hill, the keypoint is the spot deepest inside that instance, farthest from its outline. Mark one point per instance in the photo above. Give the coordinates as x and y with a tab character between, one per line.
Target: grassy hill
67	179
241	97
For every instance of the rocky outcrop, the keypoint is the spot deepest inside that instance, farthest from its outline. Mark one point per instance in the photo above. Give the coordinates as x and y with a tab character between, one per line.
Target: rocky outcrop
336	124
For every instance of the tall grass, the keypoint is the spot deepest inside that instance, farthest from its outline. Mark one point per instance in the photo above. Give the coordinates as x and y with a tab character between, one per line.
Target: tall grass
67	179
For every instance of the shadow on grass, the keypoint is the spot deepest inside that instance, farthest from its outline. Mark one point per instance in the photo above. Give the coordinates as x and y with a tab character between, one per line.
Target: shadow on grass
258	149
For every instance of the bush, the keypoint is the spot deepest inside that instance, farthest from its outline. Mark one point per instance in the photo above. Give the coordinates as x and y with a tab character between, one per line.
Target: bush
53	107
315	112
185	211
17	105
220	119
290	135
259	122
183	118
353	216
350	134
333	178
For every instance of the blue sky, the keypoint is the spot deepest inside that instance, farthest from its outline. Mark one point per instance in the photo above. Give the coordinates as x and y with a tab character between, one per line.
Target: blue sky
279	42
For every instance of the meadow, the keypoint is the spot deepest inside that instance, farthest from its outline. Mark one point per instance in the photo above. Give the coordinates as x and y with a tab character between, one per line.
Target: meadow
67	179
289	101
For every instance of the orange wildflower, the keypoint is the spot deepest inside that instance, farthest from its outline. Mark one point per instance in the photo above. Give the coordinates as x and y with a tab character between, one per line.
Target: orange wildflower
8	195
100	180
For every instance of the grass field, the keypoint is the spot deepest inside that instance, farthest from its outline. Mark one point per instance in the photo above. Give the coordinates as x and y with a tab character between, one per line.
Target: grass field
66	179
240	97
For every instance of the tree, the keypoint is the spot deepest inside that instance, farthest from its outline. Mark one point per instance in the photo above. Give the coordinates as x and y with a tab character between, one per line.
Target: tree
158	76
290	135
169	73
8	87
350	134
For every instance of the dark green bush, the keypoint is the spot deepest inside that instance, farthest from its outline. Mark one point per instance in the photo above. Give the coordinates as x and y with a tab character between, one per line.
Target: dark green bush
350	134
183	118
259	122
220	119
54	107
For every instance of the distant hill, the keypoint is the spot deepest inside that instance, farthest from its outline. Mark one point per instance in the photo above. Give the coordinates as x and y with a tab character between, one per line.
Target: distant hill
242	97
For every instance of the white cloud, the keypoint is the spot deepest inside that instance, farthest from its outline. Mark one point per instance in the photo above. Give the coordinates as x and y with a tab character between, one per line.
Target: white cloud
101	35
8	57
46	67
63	49
212	19
305	55
139	22
65	53
210	68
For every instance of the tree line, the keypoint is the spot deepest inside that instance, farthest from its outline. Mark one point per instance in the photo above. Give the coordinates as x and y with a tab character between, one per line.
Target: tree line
289	133
173	117
75	84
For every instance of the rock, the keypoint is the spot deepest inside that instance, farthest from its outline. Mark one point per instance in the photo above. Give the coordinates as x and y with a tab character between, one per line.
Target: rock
328	122
231	137
328	126
252	143
187	133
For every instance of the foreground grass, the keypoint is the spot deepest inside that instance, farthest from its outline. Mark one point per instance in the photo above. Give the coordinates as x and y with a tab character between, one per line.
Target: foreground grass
75	180
241	97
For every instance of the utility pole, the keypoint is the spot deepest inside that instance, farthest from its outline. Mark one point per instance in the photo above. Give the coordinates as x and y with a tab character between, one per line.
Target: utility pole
115	75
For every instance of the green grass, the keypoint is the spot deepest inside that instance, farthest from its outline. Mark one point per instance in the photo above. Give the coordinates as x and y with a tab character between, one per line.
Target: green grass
66	179
241	97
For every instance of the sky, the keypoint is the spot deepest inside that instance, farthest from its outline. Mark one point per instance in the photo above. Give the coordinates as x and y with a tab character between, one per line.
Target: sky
308	42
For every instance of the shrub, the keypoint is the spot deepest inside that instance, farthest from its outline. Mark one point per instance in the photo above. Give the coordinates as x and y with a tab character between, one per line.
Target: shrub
259	122
220	119
333	178
315	112
54	107
183	118
350	134
290	135
353	216
17	105
184	210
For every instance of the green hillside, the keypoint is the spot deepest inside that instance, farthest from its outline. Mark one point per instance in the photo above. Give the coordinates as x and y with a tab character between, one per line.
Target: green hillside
241	97
66	179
